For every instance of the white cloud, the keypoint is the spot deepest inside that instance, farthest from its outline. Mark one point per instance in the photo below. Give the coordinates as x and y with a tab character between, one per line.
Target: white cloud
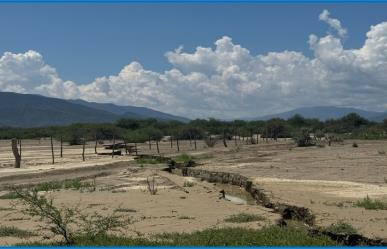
333	23
227	81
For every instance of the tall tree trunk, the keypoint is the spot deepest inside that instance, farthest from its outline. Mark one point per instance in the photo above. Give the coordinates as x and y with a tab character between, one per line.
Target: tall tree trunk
171	139
177	144
157	145
150	145
190	139
195	141
135	148
16	153
52	151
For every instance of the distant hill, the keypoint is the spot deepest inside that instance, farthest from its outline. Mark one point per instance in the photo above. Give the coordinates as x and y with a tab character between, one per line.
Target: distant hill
28	110
130	111
325	112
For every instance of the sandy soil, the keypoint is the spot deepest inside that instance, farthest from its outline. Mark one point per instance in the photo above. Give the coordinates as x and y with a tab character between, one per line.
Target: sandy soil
326	179
187	208
37	153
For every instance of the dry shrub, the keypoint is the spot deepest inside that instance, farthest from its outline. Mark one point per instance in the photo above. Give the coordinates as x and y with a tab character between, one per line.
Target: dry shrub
152	186
210	142
68	222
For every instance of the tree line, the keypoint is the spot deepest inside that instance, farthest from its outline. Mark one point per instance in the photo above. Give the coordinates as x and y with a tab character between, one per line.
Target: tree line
141	130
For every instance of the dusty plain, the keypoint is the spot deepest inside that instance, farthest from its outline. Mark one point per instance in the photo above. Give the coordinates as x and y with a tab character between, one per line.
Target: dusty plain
328	180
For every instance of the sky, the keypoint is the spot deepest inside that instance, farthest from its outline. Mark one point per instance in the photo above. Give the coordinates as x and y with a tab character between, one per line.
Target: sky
225	60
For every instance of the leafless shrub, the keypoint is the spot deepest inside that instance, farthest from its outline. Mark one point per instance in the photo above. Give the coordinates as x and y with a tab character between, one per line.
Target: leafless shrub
210	142
152	186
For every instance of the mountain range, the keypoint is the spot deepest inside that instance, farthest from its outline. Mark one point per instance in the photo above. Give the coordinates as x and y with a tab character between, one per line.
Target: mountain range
28	110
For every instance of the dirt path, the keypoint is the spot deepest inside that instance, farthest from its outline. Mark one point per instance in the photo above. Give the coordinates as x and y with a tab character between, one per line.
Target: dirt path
26	177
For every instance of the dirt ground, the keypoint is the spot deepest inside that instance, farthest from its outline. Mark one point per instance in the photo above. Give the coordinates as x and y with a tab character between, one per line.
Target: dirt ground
328	180
325	179
174	208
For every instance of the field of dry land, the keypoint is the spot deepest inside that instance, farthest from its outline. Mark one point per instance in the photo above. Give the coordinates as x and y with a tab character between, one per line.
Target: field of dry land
338	183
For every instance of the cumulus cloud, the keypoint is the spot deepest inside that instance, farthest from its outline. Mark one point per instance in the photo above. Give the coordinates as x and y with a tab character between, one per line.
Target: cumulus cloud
226	80
333	23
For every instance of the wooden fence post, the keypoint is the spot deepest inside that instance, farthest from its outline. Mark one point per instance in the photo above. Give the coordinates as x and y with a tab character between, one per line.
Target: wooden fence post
171	139
135	148
195	141
157	145
150	145
52	151
96	143
61	146
16	153
114	144
126	147
83	149
177	144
